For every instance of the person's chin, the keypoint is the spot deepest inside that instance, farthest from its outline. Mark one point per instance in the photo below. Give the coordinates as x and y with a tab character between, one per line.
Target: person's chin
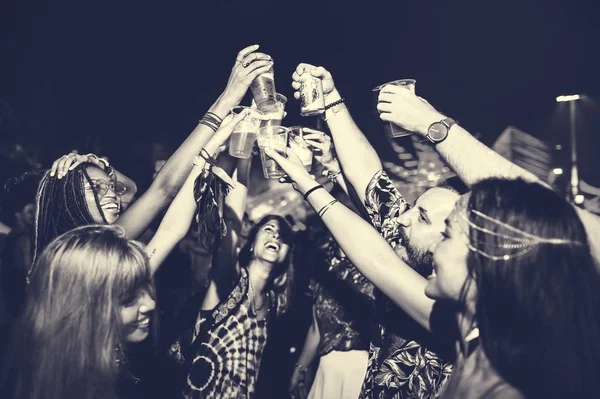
137	336
431	290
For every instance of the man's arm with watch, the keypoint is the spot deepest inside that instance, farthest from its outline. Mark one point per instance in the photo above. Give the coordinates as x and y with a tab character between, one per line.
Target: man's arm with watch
468	157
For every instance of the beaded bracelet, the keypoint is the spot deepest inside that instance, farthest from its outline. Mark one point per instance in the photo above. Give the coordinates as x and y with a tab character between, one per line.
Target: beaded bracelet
333	104
309	192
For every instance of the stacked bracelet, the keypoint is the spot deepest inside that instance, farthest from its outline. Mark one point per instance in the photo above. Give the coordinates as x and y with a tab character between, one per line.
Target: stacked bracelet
211	120
326	208
306	194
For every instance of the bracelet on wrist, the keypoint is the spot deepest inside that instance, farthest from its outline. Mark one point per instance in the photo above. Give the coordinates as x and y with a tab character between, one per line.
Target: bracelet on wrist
309	192
333	104
332	175
322	211
300	368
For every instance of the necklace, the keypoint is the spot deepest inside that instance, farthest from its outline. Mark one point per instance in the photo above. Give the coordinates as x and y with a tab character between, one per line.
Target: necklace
254	308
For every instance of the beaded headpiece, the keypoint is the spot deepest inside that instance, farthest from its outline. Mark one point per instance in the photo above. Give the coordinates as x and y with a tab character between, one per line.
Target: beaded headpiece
509	241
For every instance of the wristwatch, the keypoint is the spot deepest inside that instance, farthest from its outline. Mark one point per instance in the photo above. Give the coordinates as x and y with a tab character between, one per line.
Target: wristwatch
438	131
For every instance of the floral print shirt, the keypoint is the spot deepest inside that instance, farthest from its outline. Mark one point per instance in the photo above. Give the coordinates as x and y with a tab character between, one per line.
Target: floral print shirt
340	309
401	363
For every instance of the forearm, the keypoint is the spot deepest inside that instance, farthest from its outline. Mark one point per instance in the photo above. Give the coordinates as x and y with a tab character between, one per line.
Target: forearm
373	256
173	174
358	157
474	161
311	344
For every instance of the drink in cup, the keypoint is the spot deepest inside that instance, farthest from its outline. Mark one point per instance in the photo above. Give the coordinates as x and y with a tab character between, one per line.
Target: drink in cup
263	90
244	133
391	129
311	95
274	113
274	137
300	147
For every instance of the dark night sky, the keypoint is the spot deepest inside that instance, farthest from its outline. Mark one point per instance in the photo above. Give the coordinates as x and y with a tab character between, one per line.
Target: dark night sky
128	72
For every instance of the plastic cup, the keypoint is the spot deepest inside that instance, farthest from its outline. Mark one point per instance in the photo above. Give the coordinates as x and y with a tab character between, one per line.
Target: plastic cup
263	90
392	130
245	132
300	147
312	101
275	112
274	137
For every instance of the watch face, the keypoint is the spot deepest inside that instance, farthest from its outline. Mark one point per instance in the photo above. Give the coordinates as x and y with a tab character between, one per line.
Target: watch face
437	131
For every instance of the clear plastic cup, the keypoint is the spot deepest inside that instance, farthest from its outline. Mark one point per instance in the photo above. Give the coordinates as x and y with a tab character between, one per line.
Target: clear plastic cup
300	147
274	137
245	132
392	130
275	112
263	90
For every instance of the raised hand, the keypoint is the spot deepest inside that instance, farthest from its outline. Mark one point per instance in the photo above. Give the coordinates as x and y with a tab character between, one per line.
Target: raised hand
321	143
70	161
317	72
248	65
399	105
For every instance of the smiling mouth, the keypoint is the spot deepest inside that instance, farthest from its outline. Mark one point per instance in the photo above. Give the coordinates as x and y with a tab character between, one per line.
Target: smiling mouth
273	246
143	323
110	206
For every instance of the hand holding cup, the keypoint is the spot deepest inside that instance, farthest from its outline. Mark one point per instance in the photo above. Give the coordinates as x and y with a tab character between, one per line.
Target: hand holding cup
248	65
402	107
322	145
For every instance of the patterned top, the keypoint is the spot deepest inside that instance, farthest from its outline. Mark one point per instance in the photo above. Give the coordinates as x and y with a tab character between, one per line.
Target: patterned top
224	358
400	363
340	311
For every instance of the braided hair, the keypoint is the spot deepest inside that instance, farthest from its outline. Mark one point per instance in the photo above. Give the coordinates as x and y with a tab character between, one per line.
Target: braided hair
60	207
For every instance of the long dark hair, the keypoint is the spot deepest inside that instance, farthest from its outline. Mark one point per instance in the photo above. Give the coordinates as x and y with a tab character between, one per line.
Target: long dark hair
283	274
69	338
61	206
538	313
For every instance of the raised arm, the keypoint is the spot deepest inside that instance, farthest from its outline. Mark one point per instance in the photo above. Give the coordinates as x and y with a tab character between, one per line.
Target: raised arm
471	160
179	216
350	143
325	155
173	174
365	247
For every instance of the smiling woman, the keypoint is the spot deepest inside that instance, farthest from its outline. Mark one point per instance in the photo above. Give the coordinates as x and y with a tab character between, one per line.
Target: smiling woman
220	351
93	294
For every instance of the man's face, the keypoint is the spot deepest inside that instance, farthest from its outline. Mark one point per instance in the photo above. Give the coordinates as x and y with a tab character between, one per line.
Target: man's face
422	225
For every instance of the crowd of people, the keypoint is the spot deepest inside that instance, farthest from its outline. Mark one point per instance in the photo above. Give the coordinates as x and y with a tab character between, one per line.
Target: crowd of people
485	287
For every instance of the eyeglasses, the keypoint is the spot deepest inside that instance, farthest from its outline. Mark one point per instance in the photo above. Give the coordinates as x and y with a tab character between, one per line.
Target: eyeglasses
101	187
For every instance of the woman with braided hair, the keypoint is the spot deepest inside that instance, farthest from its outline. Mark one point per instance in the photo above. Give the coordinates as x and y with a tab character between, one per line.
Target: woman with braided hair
74	194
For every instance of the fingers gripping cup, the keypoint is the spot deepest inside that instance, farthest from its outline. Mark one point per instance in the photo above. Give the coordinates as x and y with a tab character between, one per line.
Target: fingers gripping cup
274	137
274	113
263	90
300	147
245	132
392	130
312	101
